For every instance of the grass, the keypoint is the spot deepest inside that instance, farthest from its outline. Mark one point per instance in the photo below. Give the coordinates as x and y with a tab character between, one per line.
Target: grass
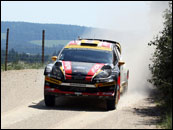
164	110
22	65
167	121
166	115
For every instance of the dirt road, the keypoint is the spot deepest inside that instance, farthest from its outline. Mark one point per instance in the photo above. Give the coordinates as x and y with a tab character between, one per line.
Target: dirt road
22	106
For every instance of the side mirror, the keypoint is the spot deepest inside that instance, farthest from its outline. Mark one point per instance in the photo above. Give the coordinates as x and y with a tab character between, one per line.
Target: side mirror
54	58
121	63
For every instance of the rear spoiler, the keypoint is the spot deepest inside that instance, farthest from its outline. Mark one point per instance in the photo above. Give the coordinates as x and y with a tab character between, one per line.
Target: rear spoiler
102	40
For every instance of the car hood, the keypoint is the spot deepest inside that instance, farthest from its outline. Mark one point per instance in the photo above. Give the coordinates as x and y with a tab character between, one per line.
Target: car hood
81	68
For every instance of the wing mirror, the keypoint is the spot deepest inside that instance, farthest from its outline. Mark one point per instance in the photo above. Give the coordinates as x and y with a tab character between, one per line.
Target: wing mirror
54	58
121	63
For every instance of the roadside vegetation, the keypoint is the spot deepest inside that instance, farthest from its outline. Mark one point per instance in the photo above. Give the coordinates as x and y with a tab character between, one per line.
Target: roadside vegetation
30	41
161	69
22	65
18	61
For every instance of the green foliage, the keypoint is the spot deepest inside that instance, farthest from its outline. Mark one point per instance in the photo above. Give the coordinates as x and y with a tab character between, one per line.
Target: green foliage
162	65
162	61
14	56
22	34
167	122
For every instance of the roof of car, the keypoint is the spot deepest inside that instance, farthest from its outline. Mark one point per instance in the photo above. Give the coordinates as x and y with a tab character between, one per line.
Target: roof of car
90	44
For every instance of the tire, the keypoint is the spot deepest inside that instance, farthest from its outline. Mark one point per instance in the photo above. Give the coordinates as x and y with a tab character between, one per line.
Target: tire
126	88
49	100
112	103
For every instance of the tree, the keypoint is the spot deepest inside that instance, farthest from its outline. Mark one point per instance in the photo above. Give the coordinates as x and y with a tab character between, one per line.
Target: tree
162	61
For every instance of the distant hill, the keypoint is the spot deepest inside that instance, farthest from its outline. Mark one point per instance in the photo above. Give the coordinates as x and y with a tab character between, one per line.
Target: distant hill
26	37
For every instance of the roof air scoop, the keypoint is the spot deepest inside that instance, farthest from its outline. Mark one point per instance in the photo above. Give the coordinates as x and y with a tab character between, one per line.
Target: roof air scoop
88	44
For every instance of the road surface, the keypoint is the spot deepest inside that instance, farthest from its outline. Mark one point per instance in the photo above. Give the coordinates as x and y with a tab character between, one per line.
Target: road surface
22	106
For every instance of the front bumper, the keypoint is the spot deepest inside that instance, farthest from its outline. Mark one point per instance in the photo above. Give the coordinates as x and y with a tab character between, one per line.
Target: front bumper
59	88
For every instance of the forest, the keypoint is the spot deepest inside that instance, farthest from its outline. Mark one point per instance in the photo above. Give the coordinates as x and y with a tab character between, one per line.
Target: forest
22	36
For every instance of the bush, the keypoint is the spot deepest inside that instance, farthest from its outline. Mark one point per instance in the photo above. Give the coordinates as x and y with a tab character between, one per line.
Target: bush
167	122
161	68
162	61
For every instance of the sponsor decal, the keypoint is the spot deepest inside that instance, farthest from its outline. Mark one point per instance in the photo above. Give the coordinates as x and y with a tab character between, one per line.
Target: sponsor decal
93	70
78	93
76	42
67	67
105	44
72	43
51	80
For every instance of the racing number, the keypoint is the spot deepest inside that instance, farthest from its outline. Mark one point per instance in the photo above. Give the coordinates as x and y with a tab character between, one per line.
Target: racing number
67	66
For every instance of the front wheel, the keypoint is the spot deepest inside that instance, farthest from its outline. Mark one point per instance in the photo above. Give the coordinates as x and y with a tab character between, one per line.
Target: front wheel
112	103
49	100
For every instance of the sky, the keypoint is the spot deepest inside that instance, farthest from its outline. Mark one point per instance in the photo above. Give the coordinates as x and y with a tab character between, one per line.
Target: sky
116	15
84	13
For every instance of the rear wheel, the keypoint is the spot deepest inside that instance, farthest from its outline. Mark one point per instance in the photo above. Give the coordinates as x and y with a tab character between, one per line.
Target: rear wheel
126	88
49	100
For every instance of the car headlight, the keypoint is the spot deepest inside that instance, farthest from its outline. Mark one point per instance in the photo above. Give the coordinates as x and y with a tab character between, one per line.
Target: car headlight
104	74
48	69
56	72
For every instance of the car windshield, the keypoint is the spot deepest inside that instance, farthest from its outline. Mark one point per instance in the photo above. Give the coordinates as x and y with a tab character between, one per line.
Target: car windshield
86	55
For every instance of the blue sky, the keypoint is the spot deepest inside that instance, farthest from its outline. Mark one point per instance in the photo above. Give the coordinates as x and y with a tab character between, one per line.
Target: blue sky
117	15
84	13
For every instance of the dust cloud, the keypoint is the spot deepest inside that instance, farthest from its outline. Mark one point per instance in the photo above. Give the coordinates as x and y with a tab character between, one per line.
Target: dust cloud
135	50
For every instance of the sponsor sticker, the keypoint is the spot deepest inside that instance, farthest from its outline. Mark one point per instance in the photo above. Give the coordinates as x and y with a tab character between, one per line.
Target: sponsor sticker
67	67
105	44
95	68
78	93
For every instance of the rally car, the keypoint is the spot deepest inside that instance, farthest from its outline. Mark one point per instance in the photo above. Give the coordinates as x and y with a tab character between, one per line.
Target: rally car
87	67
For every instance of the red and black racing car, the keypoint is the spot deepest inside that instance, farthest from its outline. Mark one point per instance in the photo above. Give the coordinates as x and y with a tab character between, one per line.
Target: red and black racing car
87	67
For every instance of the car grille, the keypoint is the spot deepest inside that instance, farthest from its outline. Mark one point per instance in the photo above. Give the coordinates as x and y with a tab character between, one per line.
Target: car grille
78	89
79	81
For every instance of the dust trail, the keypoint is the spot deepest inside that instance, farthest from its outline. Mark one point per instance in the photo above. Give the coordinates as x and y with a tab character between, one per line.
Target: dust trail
135	51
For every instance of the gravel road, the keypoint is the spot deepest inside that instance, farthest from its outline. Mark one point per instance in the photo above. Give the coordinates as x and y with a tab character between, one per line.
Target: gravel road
22	107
